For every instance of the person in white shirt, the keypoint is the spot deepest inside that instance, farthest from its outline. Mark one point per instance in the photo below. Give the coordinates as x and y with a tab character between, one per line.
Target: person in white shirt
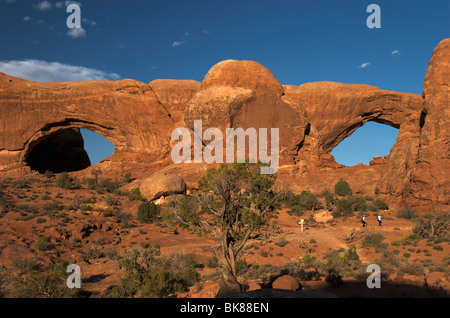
379	219
363	221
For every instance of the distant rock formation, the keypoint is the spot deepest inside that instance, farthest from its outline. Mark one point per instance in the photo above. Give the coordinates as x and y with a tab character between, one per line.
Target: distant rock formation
313	118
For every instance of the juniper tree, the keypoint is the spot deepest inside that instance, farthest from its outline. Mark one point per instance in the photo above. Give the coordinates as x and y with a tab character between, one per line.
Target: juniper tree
238	201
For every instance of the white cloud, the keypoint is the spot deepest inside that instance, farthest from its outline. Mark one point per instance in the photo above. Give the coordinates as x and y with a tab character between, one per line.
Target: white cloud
77	33
44	6
26	19
42	71
89	22
182	41
395	52
177	43
364	65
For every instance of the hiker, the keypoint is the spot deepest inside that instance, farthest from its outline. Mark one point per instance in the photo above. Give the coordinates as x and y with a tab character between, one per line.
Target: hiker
379	219
363	221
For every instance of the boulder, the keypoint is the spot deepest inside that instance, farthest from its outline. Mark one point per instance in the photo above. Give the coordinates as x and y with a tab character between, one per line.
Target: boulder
286	282
323	217
162	184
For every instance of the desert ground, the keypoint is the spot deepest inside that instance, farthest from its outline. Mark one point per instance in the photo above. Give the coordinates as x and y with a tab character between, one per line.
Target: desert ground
42	224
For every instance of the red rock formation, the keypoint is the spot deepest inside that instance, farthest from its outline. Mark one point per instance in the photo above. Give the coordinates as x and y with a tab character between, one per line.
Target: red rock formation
313	118
430	177
127	113
244	94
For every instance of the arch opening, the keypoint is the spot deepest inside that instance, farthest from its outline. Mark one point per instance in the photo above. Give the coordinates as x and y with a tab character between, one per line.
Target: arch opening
96	146
67	150
368	141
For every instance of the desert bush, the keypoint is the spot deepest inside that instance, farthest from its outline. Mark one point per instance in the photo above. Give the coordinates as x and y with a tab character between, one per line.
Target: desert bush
414	269
342	188
4	280
434	224
63	181
381	204
344	209
5	204
412	238
49	282
49	174
334	278
127	178
282	242
21	184
330	199
187	214
107	186
306	200
111	202
150	275
343	265
357	203
135	194
374	240
43	244
91	253
148	212
408	214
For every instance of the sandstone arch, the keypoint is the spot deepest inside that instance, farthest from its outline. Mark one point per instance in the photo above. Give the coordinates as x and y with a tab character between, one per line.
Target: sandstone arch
313	118
127	113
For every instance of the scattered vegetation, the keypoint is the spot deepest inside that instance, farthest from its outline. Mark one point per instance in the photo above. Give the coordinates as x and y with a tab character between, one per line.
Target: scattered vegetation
342	188
148	274
148	212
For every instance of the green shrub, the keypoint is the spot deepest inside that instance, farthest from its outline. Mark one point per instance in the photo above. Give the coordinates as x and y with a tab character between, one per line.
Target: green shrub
148	212
375	240
149	275
408	214
107	186
127	178
43	244
21	184
381	204
135	194
357	203
282	242
342	188
434	224
186	210
63	181
49	282
344	208
330	199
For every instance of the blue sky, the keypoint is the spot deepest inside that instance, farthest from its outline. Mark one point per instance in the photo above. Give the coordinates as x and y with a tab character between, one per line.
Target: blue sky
298	40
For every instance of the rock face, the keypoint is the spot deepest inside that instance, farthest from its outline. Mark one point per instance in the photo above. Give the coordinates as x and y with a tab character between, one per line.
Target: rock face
312	119
127	113
160	184
430	177
245	94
